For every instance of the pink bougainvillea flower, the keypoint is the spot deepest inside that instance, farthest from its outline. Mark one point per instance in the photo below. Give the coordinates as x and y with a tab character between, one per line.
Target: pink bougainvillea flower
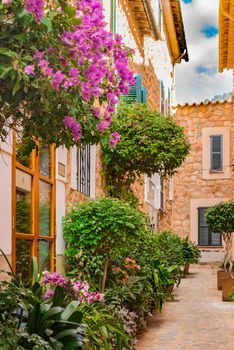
103	126
58	78
29	70
73	72
115	138
96	112
38	55
74	126
6	2
43	64
35	7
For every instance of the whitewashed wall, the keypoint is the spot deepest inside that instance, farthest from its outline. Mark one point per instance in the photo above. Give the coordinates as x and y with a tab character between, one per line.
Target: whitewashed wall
6	196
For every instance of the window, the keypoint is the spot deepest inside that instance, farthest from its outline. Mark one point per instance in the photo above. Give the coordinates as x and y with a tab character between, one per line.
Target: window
162	190
83	169
33	207
113	17
162	97
169	102
205	236
137	93
216	150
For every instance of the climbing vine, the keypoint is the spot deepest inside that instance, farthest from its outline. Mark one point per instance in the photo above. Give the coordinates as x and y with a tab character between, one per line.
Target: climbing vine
61	71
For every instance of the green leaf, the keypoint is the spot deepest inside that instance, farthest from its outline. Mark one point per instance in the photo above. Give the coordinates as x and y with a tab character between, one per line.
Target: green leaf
48	23
70	11
73	345
72	307
8	53
17	85
59	295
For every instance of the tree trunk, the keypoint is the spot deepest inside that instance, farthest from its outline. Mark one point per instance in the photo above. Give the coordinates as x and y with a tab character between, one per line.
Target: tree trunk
228	254
105	275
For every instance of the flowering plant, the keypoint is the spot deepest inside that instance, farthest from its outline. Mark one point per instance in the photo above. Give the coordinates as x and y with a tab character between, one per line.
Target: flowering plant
74	289
130	267
61	71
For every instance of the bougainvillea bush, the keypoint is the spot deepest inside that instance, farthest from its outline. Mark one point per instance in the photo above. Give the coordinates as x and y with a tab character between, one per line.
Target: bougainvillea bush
61	71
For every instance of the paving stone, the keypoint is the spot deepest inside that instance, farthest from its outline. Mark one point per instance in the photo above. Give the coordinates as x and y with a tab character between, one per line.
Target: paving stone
197	320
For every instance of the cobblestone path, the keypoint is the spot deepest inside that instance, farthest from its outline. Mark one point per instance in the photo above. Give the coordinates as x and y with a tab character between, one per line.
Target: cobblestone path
197	320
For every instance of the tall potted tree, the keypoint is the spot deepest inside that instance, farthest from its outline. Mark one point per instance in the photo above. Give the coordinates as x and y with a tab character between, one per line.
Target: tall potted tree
220	218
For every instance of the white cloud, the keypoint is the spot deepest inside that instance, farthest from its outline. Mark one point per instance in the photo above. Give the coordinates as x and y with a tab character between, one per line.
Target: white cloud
203	52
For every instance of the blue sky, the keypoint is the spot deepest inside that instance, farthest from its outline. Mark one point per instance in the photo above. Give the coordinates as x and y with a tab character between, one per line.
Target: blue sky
199	79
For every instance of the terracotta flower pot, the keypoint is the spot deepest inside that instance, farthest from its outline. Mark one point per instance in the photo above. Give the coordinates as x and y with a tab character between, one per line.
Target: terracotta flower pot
227	287
220	275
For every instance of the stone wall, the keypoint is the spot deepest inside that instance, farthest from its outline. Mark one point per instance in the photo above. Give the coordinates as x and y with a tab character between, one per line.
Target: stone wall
194	184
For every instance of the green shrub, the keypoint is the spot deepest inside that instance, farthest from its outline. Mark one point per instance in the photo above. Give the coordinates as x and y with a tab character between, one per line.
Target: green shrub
99	232
150	143
220	218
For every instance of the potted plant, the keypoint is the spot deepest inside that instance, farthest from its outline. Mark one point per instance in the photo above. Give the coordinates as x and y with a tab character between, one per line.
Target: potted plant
190	254
220	218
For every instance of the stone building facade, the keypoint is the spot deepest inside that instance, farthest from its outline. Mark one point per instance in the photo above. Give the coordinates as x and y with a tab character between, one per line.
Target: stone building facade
154	29
207	175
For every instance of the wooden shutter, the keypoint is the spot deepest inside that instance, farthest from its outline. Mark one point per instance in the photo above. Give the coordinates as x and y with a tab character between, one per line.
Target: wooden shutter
162	98
216	156
143	95
135	92
113	17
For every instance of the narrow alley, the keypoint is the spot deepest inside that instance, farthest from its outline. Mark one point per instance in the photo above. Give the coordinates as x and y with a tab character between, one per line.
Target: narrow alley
197	320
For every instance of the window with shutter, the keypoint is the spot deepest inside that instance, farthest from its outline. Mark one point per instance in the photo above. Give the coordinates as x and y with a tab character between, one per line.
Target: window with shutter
162	199
205	236
135	91
113	17
216	157
143	95
169	102
83	169
162	95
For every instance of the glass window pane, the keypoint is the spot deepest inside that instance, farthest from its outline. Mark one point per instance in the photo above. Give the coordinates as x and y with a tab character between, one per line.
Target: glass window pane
23	258
45	161
204	234
44	256
23	202
202	212
216	143
215	238
216	161
23	155
44	208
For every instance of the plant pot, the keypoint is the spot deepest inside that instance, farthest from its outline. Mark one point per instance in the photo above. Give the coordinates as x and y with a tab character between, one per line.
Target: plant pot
227	287
220	275
186	269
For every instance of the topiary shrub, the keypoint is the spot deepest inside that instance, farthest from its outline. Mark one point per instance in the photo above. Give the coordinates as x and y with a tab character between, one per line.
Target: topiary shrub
97	233
150	143
220	218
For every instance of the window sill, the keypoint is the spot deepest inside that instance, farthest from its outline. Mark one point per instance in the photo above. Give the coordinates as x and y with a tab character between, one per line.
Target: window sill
211	247
216	172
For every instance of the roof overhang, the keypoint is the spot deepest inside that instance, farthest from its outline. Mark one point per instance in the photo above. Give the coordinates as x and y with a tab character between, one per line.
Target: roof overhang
226	34
175	27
